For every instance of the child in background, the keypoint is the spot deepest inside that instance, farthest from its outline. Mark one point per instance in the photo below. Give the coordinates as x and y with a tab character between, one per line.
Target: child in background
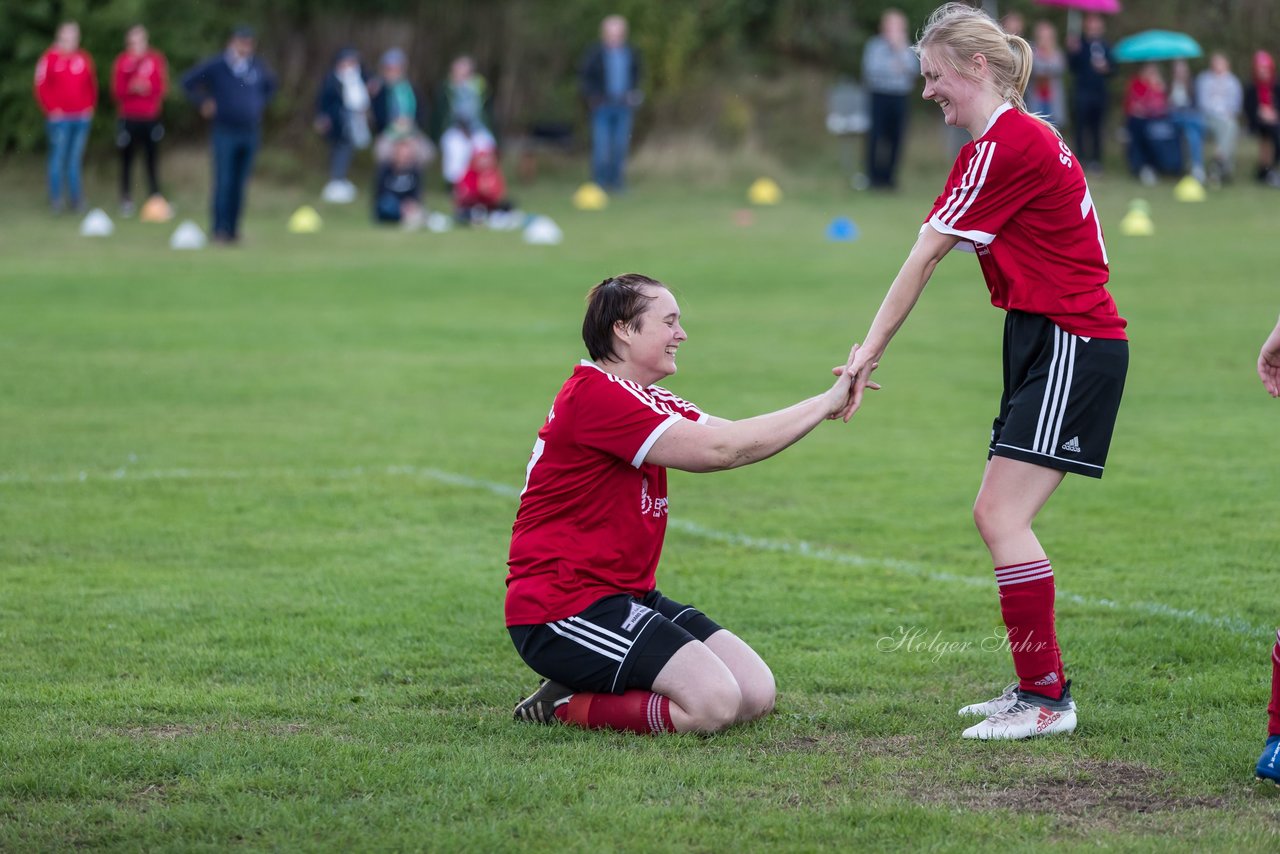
481	190
397	191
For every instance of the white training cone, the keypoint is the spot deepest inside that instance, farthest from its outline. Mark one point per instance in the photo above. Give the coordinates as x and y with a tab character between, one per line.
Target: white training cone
542	231
187	236
96	223
439	223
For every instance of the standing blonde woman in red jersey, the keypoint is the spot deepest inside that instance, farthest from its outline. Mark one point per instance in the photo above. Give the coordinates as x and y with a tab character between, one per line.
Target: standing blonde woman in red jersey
1017	197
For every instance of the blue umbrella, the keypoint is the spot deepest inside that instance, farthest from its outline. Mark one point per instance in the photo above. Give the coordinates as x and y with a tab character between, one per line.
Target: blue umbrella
1156	45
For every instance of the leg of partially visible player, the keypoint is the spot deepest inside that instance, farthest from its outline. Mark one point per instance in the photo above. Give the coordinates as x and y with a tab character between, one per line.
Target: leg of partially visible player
1268	767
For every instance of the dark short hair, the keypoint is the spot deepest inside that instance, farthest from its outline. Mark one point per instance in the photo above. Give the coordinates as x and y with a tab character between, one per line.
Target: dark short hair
617	299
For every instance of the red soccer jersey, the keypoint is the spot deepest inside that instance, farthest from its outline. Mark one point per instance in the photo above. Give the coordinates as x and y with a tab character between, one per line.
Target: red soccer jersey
592	513
1018	196
138	83
66	83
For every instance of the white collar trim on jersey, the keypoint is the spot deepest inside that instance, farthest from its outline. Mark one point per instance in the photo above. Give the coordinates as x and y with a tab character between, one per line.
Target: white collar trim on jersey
587	363
1000	111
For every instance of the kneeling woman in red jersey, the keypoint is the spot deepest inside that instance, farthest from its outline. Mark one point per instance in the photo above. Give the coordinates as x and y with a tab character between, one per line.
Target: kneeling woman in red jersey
581	605
1017	197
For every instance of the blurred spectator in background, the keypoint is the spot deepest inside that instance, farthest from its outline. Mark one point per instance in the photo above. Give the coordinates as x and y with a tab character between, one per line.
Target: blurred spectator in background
66	88
342	115
1186	117
139	80
1261	101
395	103
1045	94
232	90
464	95
397	194
462	105
1014	24
1220	99
459	144
1090	61
482	190
610	83
1153	141
889	71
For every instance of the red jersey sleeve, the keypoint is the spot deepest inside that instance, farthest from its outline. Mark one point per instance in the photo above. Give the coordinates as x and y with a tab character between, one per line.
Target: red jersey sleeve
984	191
620	418
678	404
42	83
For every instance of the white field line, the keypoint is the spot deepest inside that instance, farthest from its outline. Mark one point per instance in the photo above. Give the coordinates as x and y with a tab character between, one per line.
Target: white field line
798	548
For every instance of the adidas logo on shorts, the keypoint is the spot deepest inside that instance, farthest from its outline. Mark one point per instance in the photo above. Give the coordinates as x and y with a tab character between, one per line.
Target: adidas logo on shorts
1072	445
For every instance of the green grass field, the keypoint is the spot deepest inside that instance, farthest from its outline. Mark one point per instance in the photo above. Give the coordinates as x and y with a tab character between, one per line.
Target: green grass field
255	507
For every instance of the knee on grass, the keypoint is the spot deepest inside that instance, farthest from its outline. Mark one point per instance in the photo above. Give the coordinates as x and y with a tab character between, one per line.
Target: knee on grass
715	707
757	699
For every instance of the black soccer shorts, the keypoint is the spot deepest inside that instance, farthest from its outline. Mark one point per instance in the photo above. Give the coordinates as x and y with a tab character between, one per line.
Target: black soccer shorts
616	643
1061	395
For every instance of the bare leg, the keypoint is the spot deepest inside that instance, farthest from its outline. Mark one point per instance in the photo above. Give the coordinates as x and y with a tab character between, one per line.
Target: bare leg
755	679
1011	496
704	695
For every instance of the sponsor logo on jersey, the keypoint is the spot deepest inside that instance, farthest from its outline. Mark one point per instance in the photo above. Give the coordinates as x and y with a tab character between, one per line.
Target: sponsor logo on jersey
649	506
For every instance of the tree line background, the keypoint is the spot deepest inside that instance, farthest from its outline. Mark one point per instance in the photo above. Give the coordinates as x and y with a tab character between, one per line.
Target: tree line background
712	66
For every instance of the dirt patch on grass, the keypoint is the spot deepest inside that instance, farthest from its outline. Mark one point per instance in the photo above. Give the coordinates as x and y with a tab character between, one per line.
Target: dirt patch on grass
1076	790
1083	787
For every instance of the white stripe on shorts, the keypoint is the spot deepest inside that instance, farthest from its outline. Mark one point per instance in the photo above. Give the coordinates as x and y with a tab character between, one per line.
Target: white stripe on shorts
1057	391
565	631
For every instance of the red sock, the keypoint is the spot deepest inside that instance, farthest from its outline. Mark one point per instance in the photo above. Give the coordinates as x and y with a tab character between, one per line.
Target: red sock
1026	602
633	711
1273	710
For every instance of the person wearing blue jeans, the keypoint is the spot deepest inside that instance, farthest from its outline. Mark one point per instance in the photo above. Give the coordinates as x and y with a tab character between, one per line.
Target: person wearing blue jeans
67	138
66	88
232	89
610	82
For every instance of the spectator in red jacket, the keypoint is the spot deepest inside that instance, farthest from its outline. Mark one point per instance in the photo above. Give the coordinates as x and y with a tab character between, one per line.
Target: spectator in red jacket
67	91
481	190
139	81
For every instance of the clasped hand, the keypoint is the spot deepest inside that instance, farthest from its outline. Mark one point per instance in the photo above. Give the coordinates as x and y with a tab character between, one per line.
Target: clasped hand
852	379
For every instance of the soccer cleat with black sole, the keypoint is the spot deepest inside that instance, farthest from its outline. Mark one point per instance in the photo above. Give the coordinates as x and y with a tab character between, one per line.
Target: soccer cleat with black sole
540	706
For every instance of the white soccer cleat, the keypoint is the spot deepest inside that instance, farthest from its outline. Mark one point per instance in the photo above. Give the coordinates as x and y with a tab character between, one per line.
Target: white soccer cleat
1030	715
996	705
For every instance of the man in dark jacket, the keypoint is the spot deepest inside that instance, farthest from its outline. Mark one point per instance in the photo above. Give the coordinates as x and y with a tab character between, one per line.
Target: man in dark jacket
232	90
610	82
1091	65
